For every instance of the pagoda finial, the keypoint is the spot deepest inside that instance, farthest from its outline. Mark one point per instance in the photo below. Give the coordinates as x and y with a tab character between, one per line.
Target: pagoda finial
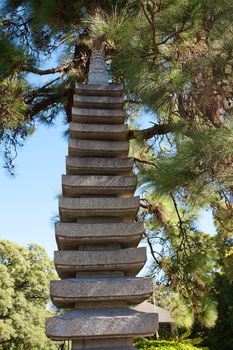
98	73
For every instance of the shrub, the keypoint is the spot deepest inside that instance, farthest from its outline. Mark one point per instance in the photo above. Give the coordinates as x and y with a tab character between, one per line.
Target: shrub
165	345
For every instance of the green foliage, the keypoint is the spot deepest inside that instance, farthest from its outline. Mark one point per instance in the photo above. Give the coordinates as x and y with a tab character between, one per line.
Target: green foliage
228	264
165	345
12	106
24	295
15	126
178	54
200	164
220	337
184	260
163	55
12	57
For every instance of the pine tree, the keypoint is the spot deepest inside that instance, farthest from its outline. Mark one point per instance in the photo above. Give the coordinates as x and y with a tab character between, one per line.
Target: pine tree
175	58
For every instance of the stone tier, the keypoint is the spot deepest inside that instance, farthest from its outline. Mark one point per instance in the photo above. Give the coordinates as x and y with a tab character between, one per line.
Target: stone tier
78	185
70	291
93	148
99	90
121	209
105	132
98	166
84	324
108	102
98	116
70	236
126	262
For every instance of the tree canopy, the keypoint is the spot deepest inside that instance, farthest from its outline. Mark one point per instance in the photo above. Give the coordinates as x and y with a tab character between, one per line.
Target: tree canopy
24	295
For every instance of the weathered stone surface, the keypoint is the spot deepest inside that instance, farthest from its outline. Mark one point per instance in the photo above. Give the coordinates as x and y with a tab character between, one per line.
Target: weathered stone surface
71	235
98	116
71	209
106	132
67	292
77	185
99	90
129	260
110	102
85	148
100	166
97	236
98	72
100	324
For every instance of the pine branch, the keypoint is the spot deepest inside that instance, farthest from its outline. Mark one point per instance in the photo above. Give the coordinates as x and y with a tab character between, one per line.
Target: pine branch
42	105
40	92
158	262
151	18
155	209
59	69
157	129
144	161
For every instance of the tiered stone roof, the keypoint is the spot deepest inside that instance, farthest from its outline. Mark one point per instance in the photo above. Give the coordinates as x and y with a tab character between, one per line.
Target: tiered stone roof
97	236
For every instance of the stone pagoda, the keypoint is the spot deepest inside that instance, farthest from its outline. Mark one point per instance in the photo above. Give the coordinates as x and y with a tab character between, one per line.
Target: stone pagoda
97	236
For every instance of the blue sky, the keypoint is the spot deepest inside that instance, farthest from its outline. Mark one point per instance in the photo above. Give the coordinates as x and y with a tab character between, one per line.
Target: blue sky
29	200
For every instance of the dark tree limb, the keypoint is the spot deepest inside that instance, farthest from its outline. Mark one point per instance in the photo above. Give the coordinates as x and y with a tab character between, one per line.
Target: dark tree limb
144	161
42	105
157	261
59	69
156	209
156	129
28	99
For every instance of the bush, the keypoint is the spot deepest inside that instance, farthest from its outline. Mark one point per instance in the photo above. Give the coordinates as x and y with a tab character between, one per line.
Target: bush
165	345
